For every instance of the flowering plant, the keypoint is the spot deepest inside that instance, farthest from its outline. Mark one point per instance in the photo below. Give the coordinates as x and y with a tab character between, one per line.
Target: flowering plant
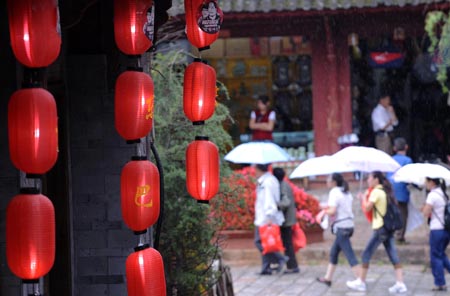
238	213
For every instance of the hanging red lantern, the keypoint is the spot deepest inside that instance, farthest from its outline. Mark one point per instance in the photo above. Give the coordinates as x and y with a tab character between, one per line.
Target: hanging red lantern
203	21
199	91
133	27
145	273
34	31
202	169
33	130
133	105
139	191
30	235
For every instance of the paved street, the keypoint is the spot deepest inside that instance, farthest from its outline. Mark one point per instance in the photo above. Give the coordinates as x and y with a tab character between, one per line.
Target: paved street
247	282
244	260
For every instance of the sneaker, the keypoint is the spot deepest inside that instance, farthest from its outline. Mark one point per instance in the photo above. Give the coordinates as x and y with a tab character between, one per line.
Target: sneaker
357	285
398	288
293	270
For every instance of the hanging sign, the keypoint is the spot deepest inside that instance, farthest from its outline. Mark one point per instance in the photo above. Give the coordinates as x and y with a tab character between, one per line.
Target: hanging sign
209	17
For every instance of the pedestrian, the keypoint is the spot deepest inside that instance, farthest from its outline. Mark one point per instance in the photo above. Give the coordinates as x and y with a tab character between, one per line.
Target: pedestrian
400	189
266	212
439	236
287	205
384	120
378	194
262	120
339	207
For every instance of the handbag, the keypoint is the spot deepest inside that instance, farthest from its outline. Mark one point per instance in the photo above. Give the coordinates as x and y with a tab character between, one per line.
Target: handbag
298	237
270	238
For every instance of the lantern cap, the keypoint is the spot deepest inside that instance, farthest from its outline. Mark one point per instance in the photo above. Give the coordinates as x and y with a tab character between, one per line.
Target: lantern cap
203	201
201	138
141	247
135	141
33	176
139	232
135	157
199	60
201	122
136	69
29	190
30	281
204	48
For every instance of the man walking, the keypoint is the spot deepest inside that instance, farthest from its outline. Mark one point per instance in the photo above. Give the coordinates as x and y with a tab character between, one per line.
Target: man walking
266	211
400	189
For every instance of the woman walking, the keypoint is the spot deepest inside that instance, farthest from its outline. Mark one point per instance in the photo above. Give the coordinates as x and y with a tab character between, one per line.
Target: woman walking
434	207
379	194
340	207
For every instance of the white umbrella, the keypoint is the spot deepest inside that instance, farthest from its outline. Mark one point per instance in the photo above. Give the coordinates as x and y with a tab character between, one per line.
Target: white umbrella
321	165
367	159
257	153
417	172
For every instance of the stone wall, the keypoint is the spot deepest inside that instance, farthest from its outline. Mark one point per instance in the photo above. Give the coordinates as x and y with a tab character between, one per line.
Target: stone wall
101	240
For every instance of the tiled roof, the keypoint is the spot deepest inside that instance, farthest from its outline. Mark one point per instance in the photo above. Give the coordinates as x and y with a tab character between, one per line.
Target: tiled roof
237	6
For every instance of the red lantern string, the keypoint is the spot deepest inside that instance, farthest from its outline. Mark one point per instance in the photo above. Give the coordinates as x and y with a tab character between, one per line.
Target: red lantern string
34	31
145	273
199	92
131	27
203	21
139	191
202	169
30	235
133	105
33	130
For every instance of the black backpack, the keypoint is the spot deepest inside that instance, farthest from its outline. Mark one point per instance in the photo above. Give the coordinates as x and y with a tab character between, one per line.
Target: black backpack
392	220
446	222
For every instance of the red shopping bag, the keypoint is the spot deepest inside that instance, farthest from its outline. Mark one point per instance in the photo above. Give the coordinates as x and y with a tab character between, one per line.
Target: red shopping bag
271	238
298	237
363	203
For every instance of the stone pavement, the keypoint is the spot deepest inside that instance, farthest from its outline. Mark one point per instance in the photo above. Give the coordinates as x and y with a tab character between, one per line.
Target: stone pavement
244	260
247	282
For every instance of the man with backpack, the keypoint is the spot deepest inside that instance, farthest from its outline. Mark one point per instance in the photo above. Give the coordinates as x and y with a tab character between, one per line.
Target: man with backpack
383	225
437	208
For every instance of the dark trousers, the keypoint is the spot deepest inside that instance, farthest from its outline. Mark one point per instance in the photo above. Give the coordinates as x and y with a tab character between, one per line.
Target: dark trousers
286	237
403	207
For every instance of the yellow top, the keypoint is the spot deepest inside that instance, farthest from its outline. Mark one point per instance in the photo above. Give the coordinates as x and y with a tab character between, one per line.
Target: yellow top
379	200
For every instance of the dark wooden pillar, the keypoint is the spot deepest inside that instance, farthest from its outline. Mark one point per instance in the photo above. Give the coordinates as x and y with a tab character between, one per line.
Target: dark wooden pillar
326	109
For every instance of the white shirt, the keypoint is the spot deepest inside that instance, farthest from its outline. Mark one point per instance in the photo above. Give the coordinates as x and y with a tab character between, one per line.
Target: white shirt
267	198
437	201
272	115
343	203
380	118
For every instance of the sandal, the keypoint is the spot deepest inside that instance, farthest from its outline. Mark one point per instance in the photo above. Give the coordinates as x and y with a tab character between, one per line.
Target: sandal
324	281
439	288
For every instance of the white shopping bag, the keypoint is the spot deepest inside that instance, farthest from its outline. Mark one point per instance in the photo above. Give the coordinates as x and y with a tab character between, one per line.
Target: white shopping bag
415	218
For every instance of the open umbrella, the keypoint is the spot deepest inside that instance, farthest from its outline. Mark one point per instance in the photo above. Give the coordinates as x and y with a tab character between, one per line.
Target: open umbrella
257	153
367	159
417	172
321	165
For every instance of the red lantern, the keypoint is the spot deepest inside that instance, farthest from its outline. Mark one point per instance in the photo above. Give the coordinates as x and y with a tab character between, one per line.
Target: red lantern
134	105
202	169
34	31
199	95
30	235
139	191
145	273
203	21
33	130
132	27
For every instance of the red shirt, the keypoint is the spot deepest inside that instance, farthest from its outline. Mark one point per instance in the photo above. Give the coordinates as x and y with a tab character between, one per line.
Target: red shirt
259	134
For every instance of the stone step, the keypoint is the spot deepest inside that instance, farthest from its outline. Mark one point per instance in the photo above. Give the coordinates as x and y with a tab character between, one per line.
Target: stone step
319	253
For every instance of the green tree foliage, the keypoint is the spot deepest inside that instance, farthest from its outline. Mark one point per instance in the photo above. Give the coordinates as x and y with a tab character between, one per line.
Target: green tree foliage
437	26
187	243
